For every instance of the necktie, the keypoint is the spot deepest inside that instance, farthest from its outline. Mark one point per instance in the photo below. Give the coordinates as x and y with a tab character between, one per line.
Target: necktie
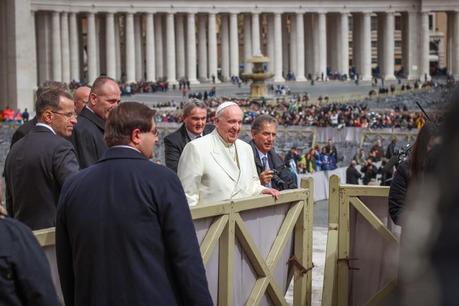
264	160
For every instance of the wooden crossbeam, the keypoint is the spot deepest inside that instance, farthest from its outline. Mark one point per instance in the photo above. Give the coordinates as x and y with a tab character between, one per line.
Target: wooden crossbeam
343	250
383	293
226	263
212	236
259	265
365	191
374	221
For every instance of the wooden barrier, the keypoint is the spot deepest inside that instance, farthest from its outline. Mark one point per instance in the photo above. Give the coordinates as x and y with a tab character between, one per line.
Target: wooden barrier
362	251
235	248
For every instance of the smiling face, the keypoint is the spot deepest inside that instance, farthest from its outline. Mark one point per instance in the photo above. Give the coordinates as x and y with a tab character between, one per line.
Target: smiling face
264	138
196	120
228	123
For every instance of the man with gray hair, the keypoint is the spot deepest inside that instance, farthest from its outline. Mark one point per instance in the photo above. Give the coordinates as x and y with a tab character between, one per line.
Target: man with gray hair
194	126
219	166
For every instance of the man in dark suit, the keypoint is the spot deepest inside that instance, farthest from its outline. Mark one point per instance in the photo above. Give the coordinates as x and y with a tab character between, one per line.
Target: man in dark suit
270	167
194	126
88	137
124	225
38	164
352	174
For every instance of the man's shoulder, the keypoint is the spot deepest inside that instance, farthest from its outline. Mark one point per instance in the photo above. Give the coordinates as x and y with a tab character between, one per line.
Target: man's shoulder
175	135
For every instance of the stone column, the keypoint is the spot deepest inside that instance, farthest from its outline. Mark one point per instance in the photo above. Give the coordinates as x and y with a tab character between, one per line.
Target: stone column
424	46
322	32
110	45
225	47
234	45
171	78
455	45
285	44
388	46
150	47
43	43
410	45
91	48
118	67
450	42
270	48
159	46
365	41
278	48
74	54
356	30
309	43
247	44
65	46
130	48
56	47
256	34
300	46
203	76
191	48
343	44
213	47
138	47
180	43
293	44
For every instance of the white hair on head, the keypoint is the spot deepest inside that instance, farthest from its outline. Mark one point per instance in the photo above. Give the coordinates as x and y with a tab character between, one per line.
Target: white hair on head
222	106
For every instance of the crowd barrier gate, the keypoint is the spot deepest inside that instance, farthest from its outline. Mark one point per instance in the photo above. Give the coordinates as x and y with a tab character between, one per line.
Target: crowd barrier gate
251	248
362	246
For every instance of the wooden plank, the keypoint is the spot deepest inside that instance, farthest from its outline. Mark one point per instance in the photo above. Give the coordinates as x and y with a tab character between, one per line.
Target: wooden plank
330	269
46	237
309	221
300	280
258	291
372	191
382	294
226	263
343	250
258	264
212	236
333	219
374	221
286	197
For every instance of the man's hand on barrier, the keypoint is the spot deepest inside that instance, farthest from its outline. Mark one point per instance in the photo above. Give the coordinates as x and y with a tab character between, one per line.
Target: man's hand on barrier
266	177
275	193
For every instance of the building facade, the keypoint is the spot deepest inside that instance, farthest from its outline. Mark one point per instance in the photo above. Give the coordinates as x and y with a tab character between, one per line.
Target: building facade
152	40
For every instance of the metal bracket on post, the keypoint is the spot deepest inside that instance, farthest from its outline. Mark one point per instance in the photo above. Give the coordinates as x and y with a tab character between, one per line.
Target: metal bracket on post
347	260
294	261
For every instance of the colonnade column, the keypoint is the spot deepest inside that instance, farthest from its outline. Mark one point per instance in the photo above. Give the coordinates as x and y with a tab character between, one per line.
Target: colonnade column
455	45
234	45
202	48
388	46
191	48
278	48
150	47
180	41
110	45
170	35
56	47
130	48
247	44
65	44
270	47
74	53
293	45
343	44
410	45
424	46
91	48
213	47
365	40
118	63
300	46
322	44
256	34
159	46
138	47
225	47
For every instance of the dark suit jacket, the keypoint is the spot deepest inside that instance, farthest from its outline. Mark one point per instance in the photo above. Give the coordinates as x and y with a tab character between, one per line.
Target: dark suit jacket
124	236
88	138
35	170
175	142
25	276
352	175
287	179
23	130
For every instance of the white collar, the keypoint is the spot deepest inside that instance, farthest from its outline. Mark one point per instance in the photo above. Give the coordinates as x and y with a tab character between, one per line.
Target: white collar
261	154
192	135
46	126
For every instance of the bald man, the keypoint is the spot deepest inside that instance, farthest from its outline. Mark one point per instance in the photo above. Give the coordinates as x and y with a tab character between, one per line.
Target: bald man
81	98
219	166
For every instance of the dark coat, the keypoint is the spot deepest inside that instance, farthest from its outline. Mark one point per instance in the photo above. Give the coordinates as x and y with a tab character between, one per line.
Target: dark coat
285	178
352	175
175	142
397	191
88	138
23	130
369	173
124	236
25	278
35	170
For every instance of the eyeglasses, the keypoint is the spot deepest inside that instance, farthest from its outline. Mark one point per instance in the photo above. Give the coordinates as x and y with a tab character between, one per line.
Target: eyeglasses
155	132
67	115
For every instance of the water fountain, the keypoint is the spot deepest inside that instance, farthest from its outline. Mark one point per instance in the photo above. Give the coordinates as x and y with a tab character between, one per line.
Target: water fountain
258	76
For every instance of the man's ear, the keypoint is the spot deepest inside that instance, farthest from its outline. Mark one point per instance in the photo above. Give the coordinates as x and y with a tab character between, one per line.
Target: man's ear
135	136
92	99
47	116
